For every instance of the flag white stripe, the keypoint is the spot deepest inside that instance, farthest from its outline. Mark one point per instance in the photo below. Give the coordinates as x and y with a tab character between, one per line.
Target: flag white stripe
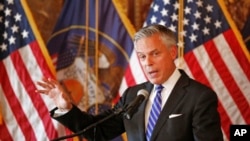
224	135
9	118
123	86
217	84
235	69
181	64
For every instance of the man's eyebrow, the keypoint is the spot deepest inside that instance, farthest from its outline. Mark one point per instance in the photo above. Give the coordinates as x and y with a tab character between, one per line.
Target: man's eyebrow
148	52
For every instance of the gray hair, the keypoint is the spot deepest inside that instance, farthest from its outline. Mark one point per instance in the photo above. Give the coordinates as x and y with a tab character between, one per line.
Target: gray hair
167	36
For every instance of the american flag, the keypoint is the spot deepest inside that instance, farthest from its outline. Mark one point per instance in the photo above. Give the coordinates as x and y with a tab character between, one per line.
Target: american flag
214	54
24	60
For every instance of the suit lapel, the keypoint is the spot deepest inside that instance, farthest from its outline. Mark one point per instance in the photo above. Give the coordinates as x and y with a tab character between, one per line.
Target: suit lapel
175	96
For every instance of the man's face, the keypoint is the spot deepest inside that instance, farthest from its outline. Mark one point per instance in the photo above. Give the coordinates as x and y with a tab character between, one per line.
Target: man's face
156	58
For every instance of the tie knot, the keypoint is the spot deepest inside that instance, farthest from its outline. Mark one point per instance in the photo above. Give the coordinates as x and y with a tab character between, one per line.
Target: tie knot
159	88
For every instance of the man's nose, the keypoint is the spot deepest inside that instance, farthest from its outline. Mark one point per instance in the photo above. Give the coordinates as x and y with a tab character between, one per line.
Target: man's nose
148	61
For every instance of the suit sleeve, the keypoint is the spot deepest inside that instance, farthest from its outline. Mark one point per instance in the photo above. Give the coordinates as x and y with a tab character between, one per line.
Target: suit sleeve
77	120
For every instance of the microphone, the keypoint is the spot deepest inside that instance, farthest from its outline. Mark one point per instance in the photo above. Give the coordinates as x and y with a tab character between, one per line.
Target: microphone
132	107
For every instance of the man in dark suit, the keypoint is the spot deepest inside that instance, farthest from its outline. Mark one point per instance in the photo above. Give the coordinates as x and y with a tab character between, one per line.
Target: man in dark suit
188	109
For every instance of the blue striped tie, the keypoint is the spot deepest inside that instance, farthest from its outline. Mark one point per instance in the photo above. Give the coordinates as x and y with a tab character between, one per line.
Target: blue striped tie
155	112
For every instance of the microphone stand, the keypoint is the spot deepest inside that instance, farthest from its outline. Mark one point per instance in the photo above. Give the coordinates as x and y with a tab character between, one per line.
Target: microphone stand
116	112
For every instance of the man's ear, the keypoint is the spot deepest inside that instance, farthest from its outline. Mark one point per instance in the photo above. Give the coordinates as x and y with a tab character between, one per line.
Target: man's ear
173	52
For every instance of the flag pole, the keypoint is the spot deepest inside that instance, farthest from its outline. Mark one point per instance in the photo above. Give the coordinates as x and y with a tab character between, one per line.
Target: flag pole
86	51
96	52
180	43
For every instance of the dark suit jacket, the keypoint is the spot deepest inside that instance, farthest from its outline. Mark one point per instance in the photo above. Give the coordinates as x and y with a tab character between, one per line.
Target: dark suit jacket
195	103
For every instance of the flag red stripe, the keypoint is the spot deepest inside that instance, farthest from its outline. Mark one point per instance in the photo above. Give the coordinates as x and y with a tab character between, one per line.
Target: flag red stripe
41	62
238	52
129	77
195	68
15	105
38	102
225	120
199	75
228	80
68	132
116	98
4	133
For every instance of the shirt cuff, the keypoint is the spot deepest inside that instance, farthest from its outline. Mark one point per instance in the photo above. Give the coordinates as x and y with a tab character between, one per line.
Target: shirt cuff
58	112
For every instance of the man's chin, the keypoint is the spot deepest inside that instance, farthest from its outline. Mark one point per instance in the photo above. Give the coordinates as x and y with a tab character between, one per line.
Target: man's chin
154	81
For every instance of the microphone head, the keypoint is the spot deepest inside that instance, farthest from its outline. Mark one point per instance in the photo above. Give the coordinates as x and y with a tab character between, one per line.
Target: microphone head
143	92
133	106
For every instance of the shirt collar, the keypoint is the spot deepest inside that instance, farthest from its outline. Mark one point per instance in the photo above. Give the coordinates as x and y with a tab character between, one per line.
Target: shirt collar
172	80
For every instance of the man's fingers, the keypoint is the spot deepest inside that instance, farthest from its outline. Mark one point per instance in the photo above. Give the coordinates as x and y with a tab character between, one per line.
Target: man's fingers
42	84
53	82
42	91
46	92
46	84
